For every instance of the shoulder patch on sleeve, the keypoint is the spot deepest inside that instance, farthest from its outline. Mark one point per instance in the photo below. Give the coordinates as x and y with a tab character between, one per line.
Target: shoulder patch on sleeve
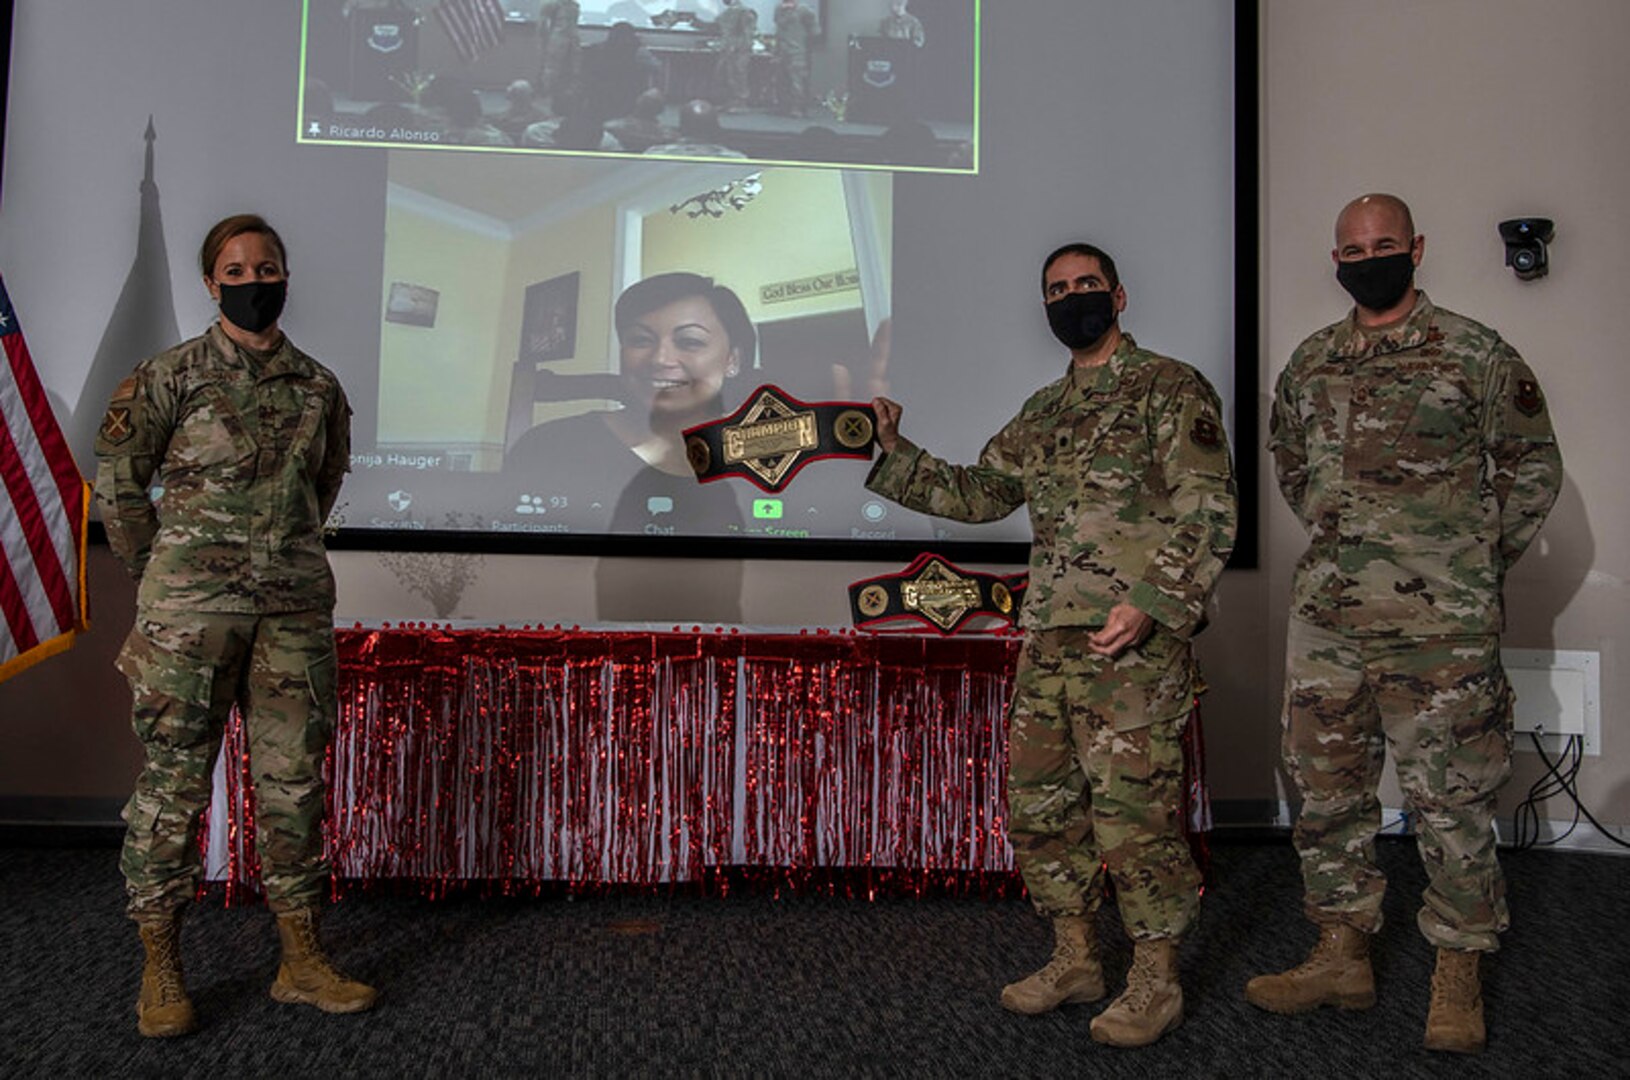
116	426
1198	442
1205	433
125	391
1527	397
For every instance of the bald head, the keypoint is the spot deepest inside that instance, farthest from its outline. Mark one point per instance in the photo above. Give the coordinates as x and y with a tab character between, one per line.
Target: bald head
1387	211
1374	225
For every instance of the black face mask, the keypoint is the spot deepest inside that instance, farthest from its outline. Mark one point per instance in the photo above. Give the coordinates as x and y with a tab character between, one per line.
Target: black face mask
253	306
1079	320
1378	283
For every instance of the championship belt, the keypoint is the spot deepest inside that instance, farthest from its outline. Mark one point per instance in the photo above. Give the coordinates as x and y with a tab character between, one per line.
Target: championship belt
773	435
935	594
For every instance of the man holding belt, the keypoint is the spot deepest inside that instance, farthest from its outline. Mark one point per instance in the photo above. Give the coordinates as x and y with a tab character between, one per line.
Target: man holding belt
1126	473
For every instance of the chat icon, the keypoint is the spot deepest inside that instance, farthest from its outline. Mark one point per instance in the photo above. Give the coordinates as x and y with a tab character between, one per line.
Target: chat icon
659	504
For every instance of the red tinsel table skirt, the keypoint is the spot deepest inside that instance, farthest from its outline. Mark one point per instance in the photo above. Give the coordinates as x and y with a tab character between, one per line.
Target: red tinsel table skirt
519	757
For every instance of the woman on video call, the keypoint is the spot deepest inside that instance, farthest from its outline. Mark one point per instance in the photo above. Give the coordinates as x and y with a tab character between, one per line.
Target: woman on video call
681	338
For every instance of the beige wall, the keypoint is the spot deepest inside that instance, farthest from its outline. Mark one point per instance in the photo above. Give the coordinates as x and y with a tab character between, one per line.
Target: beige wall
578	243
730	249
438	383
1474	110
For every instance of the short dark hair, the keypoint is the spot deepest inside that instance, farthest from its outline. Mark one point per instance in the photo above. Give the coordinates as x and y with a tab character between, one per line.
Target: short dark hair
223	232
660	290
1080	247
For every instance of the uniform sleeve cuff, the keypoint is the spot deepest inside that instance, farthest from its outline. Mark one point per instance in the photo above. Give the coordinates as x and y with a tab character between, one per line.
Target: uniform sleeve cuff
892	472
1173	614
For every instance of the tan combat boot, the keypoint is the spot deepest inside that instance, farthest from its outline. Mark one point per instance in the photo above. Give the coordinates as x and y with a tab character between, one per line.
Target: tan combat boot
1151	1004
1337	972
305	976
1073	975
1454	1022
163	1009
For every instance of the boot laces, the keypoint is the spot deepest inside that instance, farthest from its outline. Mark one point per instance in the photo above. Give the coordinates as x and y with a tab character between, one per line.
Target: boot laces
1065	956
170	989
1455	983
1141	981
1326	952
305	935
167	971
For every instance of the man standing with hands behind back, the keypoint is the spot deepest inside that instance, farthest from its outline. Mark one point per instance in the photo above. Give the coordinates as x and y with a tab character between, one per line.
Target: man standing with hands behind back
1126	474
1415	446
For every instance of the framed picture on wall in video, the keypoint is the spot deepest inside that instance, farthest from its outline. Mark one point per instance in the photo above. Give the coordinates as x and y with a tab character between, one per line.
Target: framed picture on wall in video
412	305
549	320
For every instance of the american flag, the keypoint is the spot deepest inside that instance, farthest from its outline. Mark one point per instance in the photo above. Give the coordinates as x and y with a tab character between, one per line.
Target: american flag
474	25
43	507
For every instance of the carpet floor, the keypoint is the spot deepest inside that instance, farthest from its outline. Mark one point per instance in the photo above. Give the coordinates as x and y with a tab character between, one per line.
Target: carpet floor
754	985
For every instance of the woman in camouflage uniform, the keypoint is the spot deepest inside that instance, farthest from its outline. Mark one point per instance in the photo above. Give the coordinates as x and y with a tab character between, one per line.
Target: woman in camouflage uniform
217	464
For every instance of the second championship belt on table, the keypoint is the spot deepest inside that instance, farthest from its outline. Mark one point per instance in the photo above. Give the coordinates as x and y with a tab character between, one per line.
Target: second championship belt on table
935	594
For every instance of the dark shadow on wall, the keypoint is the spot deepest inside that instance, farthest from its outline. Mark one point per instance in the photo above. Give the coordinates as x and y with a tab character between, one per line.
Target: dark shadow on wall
1551	572
143	320
1545	582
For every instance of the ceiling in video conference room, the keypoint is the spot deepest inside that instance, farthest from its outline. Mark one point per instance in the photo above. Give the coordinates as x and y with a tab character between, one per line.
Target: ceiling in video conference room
508	189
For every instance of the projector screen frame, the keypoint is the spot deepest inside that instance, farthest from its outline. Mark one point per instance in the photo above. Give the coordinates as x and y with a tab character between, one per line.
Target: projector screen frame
1243	431
6	9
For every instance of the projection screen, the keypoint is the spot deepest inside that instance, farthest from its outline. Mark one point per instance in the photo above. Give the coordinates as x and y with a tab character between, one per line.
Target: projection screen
881	223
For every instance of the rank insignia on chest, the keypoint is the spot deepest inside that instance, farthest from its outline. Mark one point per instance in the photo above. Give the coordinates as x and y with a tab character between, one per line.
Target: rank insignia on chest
1528	399
1205	433
116	424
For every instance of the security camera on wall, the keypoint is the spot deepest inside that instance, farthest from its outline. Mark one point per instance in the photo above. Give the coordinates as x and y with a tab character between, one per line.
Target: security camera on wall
1525	240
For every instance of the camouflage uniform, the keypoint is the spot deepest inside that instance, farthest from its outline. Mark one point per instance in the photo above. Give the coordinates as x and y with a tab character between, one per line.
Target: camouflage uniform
737	27
903	27
562	51
1421	460
794	26
1131	495
234	601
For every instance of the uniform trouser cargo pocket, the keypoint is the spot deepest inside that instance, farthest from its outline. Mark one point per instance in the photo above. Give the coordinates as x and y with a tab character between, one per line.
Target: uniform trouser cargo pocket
181	679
